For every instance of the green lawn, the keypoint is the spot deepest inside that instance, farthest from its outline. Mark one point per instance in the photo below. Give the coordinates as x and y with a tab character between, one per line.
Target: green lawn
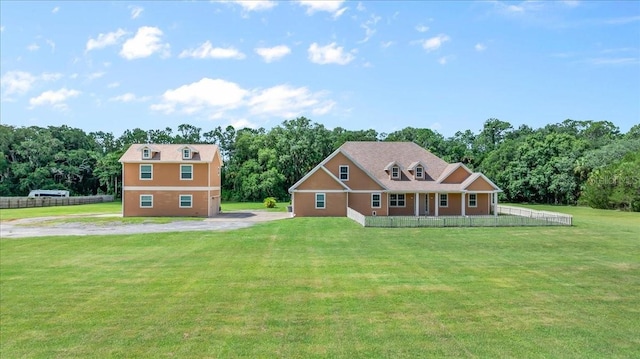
326	287
86	209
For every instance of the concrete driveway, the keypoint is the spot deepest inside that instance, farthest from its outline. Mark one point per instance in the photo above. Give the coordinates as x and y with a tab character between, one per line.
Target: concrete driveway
34	227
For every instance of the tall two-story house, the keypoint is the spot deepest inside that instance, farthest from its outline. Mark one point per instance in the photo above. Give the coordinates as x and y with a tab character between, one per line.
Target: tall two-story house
171	180
392	179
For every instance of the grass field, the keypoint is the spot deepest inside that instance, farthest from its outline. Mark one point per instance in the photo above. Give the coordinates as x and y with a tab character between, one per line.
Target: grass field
326	287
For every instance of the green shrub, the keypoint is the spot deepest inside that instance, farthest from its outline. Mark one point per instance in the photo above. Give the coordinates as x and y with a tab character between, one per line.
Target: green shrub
269	202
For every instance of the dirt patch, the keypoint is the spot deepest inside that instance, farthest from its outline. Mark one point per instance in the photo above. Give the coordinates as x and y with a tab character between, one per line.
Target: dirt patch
33	227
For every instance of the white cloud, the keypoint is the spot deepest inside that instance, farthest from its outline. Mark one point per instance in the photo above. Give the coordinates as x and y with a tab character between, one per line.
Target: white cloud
54	98
216	94
386	44
55	10
622	20
33	47
243	123
217	98
434	43
331	6
145	43
329	54
368	27
95	75
104	40
270	54
20	82
207	51
422	28
360	6
17	82
50	76
113	85
255	5
129	97
51	44
480	47
445	59
136	11
283	101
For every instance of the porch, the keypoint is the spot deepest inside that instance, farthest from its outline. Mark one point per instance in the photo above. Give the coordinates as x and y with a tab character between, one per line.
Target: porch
436	204
508	217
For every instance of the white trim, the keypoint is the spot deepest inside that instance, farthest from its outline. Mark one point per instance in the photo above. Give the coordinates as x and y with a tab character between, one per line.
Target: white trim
440	200
140	200
190	200
186	179
452	168
463	205
379	199
324	200
340	172
169	188
148	155
316	190
187	151
421	176
140	172
474	177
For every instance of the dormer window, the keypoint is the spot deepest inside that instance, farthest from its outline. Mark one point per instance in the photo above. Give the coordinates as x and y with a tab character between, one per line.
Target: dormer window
419	172
186	154
146	153
395	172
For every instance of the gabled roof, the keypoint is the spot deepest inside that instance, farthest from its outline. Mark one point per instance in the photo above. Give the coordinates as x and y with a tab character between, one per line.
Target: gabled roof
171	153
376	158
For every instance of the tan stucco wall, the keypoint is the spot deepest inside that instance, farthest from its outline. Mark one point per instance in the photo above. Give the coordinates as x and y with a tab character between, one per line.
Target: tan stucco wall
165	174
483	205
304	204
165	204
454	205
361	202
358	179
457	176
320	181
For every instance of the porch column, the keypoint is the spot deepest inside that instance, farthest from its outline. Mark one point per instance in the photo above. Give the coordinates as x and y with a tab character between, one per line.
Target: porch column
416	204
462	199
437	204
495	203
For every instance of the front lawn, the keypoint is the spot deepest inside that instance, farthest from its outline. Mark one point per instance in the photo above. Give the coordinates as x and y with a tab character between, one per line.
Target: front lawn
326	287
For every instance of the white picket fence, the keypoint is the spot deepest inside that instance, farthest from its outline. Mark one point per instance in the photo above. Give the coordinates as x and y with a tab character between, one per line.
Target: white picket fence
525	218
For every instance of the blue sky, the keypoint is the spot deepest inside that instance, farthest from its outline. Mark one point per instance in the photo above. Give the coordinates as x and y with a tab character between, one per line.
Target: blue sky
386	65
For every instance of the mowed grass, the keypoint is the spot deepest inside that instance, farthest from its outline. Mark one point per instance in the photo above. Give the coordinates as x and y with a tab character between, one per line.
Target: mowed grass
86	209
326	287
252	206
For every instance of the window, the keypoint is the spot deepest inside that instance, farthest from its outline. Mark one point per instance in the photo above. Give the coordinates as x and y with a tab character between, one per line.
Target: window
344	173
419	172
146	201
473	200
396	200
186	154
321	201
146	153
444	200
395	172
186	200
186	172
146	172
375	200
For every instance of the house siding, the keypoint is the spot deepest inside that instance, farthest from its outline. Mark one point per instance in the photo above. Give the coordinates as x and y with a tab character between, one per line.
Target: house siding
166	204
304	204
319	181
166	174
480	185
408	209
457	176
361	202
454	207
483	205
358	179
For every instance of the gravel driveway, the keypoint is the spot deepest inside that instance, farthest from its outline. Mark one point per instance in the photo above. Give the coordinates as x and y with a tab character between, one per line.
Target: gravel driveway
33	227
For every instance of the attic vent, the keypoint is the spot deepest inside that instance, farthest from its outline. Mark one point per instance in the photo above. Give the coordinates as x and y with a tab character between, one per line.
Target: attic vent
374	213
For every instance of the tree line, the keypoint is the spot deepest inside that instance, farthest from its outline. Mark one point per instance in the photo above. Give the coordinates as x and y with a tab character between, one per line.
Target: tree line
587	162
